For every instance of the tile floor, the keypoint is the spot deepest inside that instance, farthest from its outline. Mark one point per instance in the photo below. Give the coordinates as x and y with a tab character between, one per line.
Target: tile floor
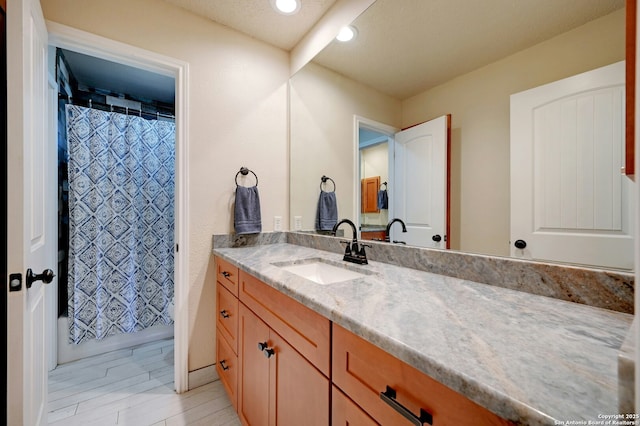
133	387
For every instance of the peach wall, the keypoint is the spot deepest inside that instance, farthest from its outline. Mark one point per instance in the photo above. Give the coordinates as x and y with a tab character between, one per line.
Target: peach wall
237	115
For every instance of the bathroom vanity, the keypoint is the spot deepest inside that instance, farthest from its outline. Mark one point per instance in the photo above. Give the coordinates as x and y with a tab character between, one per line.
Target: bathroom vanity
383	344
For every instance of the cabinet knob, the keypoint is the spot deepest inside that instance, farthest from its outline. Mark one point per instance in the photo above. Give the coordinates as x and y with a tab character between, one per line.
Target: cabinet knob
520	244
262	346
223	364
226	274
224	313
268	352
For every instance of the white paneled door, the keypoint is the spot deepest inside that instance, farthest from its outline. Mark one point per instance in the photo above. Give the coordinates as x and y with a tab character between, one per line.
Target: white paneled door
32	234
569	200
421	184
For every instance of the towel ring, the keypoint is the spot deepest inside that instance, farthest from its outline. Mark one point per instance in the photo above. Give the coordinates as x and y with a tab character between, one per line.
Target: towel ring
383	183
244	171
324	179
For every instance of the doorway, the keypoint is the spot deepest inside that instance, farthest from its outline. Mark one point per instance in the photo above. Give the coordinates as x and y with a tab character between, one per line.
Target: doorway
61	36
116	179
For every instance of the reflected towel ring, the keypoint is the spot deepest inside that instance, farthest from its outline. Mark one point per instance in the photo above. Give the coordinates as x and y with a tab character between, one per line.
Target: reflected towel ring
244	171
324	179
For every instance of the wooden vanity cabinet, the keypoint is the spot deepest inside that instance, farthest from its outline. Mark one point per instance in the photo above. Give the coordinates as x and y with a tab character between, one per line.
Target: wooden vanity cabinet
283	364
363	371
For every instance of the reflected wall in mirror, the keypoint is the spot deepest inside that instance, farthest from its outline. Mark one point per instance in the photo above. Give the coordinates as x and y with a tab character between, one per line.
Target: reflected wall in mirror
533	44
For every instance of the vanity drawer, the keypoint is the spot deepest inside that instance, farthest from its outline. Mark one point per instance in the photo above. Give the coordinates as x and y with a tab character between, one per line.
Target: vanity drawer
227	275
227	367
362	371
345	412
307	331
227	316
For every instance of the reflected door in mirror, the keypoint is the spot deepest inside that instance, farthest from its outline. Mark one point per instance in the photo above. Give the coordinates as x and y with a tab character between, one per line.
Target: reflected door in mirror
569	200
421	183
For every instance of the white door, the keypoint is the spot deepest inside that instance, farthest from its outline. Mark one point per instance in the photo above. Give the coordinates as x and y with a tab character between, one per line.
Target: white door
31	236
569	200
420	185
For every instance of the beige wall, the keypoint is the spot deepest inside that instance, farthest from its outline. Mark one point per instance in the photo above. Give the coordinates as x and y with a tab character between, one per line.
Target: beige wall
237	117
323	105
479	105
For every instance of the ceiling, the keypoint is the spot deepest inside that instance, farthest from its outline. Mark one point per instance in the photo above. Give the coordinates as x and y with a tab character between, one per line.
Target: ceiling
258	19
403	46
110	76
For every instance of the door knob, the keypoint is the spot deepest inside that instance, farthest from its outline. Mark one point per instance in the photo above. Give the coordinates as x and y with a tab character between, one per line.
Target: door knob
46	277
520	244
437	238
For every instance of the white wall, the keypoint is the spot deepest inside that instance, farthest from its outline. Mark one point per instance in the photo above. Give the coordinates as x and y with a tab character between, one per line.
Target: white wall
479	105
237	114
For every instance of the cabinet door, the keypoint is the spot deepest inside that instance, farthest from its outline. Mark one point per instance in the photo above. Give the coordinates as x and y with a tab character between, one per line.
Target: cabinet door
299	392
253	379
370	187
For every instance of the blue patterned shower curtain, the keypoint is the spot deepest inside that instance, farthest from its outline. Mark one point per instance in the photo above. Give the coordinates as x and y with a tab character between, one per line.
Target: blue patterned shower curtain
121	222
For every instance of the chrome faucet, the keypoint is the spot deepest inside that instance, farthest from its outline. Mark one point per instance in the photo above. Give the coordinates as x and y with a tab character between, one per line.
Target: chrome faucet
353	252
391	222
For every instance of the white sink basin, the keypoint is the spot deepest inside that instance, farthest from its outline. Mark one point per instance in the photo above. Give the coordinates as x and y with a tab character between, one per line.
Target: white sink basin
322	273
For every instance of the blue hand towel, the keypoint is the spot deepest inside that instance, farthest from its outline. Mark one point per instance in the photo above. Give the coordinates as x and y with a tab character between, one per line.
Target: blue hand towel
383	199
327	214
247	218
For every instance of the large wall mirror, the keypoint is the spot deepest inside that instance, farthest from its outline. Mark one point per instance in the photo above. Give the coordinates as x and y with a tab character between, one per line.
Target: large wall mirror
413	61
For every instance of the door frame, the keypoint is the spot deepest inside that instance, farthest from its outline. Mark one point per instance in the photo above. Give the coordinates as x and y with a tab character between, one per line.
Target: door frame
385	129
83	42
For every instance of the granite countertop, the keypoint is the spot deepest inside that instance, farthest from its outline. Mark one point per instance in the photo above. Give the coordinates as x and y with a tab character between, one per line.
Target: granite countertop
531	359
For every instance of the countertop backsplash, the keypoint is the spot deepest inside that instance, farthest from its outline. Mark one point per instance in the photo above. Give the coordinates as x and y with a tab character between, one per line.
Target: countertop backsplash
594	287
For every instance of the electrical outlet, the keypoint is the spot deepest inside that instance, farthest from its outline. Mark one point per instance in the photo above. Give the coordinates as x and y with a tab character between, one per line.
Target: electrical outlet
277	223
297	223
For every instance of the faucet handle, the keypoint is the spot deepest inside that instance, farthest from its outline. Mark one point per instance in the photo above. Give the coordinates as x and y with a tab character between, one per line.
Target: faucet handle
347	249
361	252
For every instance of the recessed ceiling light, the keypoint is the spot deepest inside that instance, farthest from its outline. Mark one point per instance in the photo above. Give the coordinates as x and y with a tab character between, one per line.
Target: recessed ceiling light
347	33
286	7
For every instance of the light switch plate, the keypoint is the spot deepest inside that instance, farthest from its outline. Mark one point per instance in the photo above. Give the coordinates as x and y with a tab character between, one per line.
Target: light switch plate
277	223
297	223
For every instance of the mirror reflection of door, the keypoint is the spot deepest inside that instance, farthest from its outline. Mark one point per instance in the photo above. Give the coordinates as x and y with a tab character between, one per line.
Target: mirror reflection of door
569	200
421	182
413	167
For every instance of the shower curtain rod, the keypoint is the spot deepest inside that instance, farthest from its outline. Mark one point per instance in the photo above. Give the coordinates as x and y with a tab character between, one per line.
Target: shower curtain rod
90	104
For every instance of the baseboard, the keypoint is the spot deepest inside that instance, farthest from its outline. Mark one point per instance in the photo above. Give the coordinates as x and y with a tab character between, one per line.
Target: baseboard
202	376
68	352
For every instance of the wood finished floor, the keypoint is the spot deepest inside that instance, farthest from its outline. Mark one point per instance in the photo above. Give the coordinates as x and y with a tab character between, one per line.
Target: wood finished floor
133	387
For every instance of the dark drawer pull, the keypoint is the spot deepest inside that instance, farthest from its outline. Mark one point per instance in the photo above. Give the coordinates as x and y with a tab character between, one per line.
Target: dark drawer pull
226	274
389	396
224	366
224	313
